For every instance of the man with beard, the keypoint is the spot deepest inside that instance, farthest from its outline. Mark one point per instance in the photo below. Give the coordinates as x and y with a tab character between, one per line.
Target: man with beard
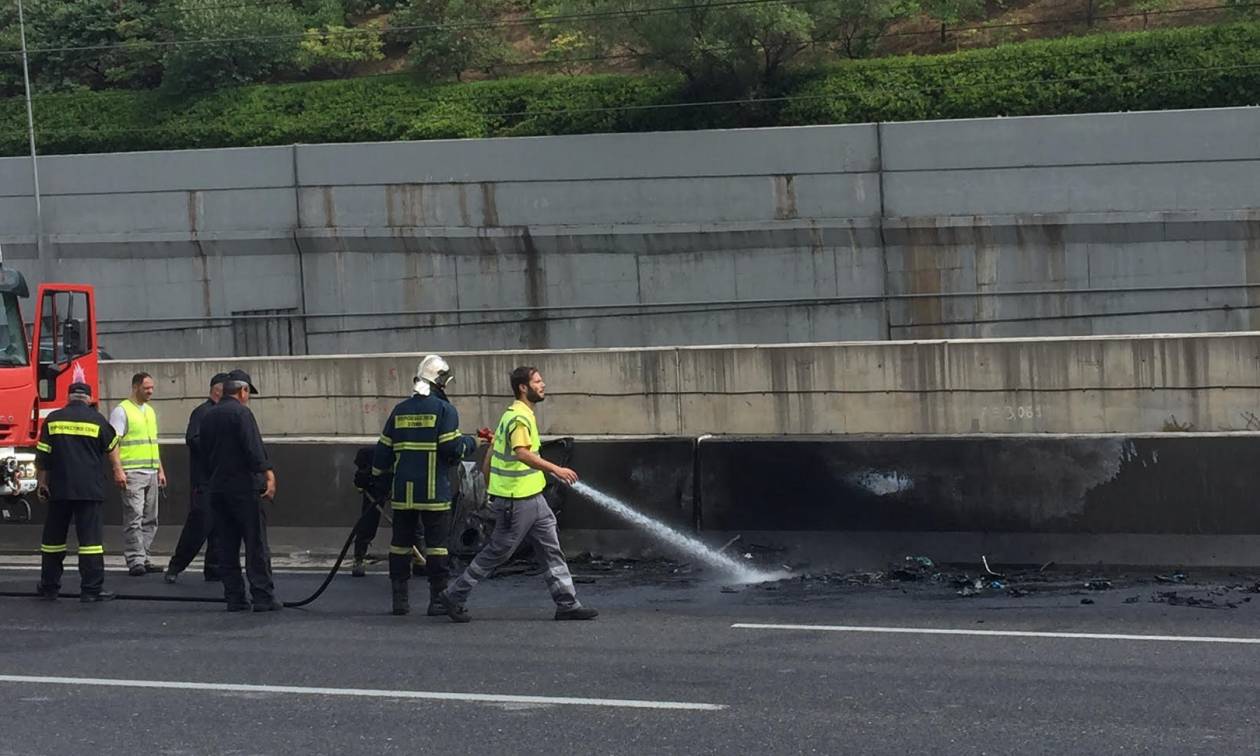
518	475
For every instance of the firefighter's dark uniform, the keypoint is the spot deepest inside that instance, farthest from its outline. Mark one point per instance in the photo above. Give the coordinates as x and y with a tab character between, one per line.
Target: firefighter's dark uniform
199	527
73	449
236	462
420	443
374	490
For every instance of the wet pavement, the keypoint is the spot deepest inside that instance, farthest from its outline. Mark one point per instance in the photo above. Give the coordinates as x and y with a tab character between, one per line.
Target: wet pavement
915	657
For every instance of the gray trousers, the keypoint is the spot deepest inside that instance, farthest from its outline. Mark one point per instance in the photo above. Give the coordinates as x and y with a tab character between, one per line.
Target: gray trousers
140	515
529	520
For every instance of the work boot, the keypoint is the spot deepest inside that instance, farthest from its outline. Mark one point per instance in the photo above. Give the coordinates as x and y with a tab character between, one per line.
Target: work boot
136	570
456	612
436	607
401	603
46	594
93	598
359	570
169	576
576	613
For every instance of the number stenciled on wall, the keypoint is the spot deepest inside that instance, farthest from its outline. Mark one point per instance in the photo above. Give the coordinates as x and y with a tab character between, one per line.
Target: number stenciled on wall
1010	413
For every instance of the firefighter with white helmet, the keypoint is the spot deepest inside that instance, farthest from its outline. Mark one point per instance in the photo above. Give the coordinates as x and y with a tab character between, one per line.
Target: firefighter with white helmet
421	441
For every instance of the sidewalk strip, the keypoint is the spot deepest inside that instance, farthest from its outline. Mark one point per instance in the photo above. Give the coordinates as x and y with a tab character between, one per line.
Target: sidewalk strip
487	698
999	633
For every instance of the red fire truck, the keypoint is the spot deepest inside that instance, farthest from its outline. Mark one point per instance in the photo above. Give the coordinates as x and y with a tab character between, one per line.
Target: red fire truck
38	362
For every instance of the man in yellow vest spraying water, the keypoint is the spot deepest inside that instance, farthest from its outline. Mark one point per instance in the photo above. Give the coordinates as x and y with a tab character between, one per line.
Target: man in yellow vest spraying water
518	475
135	422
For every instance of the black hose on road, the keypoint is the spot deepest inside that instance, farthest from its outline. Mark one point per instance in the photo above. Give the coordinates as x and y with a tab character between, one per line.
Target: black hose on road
202	600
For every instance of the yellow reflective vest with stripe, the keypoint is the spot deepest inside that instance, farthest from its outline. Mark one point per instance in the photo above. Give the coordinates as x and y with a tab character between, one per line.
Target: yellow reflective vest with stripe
139	446
511	478
420	443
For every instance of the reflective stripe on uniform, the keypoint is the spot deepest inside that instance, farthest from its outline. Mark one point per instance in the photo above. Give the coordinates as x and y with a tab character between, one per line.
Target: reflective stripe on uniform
449	436
386	440
435	551
400	550
54	548
91	550
425	506
45	448
496	470
72	428
432	492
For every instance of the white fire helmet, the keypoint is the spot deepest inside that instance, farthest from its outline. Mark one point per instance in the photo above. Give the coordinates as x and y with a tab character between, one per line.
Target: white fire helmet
432	371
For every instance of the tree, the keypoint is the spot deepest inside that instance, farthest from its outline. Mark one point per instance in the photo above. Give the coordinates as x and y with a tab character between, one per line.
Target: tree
244	42
335	51
723	49
854	27
445	38
94	43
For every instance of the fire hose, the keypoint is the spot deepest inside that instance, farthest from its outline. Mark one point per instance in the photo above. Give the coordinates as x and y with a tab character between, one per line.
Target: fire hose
207	600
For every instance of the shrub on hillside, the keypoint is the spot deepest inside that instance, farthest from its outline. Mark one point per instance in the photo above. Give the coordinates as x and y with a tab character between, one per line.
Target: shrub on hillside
1183	68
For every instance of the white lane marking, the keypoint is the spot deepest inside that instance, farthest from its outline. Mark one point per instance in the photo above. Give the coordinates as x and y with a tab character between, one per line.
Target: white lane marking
999	633
490	698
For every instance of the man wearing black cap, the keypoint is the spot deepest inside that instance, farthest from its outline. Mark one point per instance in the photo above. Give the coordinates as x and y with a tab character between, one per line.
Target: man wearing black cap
70	463
241	482
199	527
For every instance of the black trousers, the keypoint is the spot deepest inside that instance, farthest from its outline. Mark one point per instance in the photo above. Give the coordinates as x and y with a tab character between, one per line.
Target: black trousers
242	519
198	530
436	527
87	524
367	533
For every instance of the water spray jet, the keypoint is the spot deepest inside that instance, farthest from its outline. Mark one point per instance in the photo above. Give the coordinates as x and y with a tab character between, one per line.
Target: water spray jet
662	532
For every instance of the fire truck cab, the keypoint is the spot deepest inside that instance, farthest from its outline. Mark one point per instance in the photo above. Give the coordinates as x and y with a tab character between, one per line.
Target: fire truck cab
38	362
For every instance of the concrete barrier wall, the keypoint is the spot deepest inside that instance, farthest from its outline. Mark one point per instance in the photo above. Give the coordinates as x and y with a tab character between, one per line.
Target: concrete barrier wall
983	228
861	501
1122	384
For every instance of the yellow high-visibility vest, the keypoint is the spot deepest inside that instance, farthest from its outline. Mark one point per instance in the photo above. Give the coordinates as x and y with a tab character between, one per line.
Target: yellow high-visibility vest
139	447
511	478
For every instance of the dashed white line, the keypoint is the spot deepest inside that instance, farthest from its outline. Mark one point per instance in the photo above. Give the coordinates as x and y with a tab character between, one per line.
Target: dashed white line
999	633
484	698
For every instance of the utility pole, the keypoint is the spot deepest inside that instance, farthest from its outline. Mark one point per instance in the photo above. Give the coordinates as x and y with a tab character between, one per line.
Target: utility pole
44	263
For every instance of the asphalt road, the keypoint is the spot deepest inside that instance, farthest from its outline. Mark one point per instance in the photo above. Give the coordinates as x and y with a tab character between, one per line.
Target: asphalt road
661	671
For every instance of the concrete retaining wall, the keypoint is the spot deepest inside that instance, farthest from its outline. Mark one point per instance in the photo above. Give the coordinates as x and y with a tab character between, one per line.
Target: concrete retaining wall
1064	225
1129	384
1120	499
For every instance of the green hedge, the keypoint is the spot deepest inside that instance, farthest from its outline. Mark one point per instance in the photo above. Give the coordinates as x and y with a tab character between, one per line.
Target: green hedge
1113	72
1162	70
